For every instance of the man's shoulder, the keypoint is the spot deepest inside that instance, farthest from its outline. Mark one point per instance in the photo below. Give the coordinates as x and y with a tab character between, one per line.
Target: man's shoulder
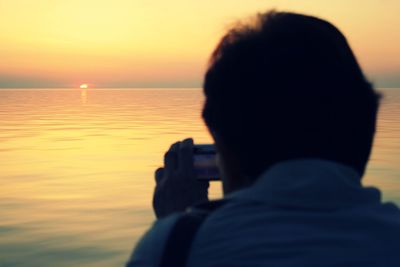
148	251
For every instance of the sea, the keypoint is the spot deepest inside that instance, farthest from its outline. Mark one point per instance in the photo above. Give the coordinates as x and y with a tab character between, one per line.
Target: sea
77	168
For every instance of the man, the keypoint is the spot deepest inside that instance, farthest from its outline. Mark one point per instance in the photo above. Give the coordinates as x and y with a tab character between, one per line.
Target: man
293	119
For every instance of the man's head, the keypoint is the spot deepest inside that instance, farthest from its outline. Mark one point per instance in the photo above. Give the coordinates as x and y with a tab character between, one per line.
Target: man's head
287	86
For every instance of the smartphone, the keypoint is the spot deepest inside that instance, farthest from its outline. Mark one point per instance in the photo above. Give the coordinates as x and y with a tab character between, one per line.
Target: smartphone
205	163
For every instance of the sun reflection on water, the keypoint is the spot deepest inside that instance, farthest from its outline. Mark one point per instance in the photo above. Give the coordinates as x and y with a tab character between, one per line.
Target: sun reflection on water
84	96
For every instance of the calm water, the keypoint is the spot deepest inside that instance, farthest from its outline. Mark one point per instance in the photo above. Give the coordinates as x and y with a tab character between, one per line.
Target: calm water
77	168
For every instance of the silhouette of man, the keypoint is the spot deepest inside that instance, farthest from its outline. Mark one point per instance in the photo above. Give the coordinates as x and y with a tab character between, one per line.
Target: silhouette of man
293	119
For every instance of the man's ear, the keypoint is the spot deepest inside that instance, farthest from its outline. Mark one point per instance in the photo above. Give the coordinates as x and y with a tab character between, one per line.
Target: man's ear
230	167
213	134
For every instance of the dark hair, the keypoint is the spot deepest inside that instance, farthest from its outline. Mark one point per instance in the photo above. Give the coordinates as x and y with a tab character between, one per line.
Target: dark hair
288	86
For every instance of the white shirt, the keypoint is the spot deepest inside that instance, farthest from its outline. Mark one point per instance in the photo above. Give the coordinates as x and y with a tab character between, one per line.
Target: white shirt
305	212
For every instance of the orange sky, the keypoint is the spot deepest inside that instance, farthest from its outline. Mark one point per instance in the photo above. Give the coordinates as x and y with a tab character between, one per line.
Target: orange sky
158	43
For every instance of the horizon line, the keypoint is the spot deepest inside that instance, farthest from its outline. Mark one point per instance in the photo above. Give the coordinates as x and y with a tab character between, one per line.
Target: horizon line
117	87
107	87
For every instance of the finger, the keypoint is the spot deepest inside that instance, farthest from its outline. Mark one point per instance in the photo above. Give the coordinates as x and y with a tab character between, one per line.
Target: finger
159	175
171	158
202	190
175	147
185	155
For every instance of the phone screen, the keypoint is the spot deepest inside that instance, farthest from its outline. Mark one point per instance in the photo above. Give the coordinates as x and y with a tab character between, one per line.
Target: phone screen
205	162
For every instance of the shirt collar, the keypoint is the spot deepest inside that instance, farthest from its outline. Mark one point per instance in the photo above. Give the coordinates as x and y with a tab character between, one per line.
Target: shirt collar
309	183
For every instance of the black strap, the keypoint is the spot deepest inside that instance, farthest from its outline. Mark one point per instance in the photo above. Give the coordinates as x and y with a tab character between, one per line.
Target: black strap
178	245
177	248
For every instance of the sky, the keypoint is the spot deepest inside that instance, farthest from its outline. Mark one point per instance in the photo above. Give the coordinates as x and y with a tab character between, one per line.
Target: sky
165	43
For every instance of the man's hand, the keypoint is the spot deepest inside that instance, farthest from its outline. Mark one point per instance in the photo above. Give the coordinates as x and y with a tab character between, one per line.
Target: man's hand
176	184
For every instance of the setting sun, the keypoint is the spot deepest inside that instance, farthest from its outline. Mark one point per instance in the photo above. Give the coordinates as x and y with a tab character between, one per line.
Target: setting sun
84	86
